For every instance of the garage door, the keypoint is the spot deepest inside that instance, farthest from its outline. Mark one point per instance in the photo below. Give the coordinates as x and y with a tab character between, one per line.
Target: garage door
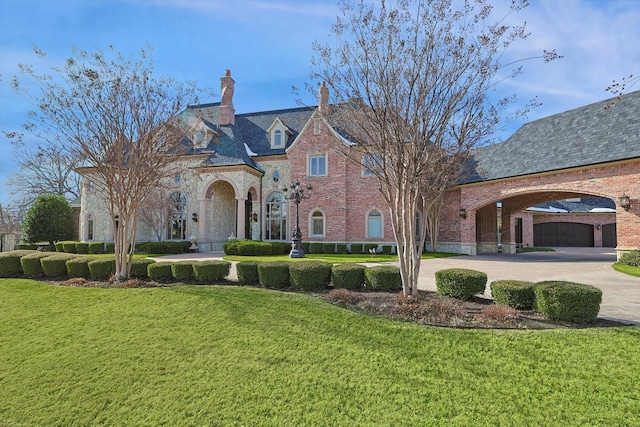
609	239
563	234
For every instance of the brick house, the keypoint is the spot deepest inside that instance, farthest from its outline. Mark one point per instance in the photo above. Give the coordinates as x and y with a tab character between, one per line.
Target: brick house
231	184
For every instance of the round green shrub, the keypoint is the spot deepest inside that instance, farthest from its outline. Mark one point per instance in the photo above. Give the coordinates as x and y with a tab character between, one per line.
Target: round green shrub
96	247
182	270
10	265
316	247
56	264
384	278
210	272
102	268
82	247
575	302
160	272
514	293
274	274
31	266
231	247
460	283
348	276
310	275
631	259
78	267
247	272
140	267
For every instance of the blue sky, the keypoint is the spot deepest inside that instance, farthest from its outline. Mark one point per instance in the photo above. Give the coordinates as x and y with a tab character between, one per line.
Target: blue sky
267	46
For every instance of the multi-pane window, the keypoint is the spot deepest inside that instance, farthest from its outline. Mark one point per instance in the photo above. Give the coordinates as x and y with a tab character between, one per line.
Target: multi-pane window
318	165
317	224
316	127
177	229
374	224
276	217
371	163
277	138
90	227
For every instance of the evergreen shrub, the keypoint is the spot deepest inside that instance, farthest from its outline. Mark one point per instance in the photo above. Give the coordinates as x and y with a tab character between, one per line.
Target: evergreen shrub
10	265
109	248
247	272
514	293
348	276
212	271
369	246
140	267
31	266
78	267
59	246
341	248
316	247
460	283
96	247
631	259
274	274
69	246
310	275
384	278
28	246
280	248
56	264
182	270
160	272
386	249
306	247
82	247
102	268
329	248
575	302
356	248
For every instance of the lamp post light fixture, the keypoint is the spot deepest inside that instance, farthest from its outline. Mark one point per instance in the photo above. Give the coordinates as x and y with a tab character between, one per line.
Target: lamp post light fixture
625	202
297	194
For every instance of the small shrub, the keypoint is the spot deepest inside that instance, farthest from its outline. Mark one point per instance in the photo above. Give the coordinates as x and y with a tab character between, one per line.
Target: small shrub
383	278
274	274
443	310
160	272
306	247
631	259
78	267
140	267
102	268
575	302
210	272
329	248
75	281
247	272
500	313
182	271
341	248
82	247
280	248
133	283
56	264
310	275
514	293
251	248
31	266
368	247
96	247
344	296
316	247
356	248
109	248
59	246
460	283
28	246
386	249
69	247
10	265
408	307
348	276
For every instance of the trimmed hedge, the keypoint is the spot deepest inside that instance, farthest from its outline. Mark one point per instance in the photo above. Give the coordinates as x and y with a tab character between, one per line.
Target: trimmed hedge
36	246
310	275
329	248
558	300
102	268
69	246
78	267
274	274
109	248
356	248
460	283
160	272
31	266
348	276
369	246
56	264
280	248
182	270
383	278
82	247
306	247
164	247
251	248
631	259
514	293
316	247
140	267
210	272
10	265
341	248
247	272
96	247
386	249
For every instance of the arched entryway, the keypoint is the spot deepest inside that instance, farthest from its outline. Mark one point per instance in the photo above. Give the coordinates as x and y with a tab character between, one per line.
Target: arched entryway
217	216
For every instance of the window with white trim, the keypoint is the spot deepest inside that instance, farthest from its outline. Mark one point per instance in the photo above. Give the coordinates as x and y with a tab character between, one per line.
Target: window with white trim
276	217
371	163
318	165
317	224
374	224
90	227
177	229
277	139
316	127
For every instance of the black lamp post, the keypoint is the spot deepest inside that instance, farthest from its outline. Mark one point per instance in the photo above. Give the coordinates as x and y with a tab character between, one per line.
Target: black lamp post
297	195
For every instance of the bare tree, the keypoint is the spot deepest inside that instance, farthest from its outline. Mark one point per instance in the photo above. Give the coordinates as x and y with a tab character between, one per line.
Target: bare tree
116	115
155	212
411	83
619	88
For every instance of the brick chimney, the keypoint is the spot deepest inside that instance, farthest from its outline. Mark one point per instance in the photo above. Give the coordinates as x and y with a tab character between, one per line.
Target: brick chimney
323	104
227	112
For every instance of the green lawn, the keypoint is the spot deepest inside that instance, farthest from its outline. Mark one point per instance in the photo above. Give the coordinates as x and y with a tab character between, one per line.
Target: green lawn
190	355
335	258
627	269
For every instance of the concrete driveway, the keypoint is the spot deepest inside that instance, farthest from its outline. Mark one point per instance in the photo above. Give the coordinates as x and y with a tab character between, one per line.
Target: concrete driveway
591	266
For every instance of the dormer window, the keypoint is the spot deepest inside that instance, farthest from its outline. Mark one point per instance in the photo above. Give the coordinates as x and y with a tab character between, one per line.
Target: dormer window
278	134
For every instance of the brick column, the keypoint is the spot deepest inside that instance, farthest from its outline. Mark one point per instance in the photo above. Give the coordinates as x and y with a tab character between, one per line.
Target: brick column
241	217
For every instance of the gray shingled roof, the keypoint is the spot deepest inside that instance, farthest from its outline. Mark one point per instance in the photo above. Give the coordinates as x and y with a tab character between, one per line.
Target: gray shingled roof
583	136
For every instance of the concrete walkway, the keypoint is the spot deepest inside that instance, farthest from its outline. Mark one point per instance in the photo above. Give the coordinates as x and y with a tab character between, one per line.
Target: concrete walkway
591	266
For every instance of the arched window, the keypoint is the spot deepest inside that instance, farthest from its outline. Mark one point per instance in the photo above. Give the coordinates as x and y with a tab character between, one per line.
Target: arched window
276	217
374	224
90	227
277	138
317	224
177	229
